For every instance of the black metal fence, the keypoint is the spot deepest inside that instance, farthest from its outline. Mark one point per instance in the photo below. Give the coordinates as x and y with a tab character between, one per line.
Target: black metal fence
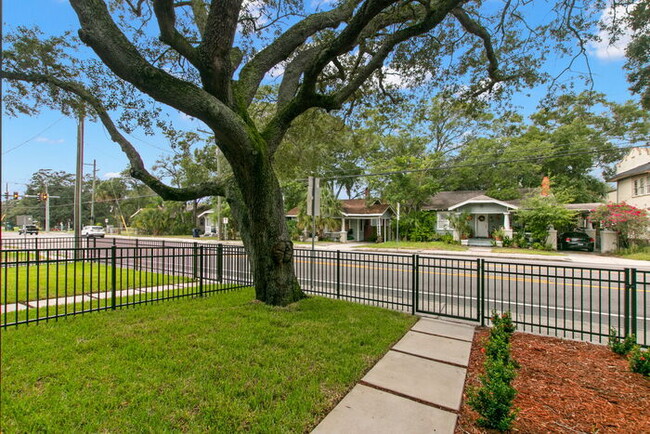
574	302
45	284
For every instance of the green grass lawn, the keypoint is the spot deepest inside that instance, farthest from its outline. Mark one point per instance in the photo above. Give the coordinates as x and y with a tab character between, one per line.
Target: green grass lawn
72	278
433	245
221	364
526	251
639	253
47	310
17	256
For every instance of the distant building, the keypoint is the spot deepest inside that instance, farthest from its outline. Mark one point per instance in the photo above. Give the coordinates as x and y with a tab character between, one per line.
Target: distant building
632	179
362	220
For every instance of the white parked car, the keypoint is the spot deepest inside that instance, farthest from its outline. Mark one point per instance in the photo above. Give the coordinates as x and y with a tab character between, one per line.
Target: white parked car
93	231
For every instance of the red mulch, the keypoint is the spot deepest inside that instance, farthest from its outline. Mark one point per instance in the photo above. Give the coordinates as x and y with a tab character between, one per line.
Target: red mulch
566	387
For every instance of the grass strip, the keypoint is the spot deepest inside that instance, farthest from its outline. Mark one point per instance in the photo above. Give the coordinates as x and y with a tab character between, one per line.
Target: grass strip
431	245
64	279
525	251
48	310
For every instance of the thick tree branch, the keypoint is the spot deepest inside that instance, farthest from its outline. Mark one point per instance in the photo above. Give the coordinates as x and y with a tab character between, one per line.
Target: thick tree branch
215	50
308	98
494	74
100	32
138	169
166	16
279	50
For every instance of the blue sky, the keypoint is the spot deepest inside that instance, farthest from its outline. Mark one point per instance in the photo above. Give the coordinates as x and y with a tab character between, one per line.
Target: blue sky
48	141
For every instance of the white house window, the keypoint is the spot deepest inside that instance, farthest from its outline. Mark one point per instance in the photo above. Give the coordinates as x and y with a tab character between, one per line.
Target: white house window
443	221
642	186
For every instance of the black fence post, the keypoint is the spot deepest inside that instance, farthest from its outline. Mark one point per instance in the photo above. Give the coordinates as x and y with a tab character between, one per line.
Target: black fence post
338	274
633	303
479	289
220	263
195	262
113	277
626	303
415	283
201	270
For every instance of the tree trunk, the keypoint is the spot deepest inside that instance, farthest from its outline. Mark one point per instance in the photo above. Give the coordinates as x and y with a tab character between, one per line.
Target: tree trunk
259	210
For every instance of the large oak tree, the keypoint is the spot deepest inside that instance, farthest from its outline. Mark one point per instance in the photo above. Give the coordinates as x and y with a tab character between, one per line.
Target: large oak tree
209	59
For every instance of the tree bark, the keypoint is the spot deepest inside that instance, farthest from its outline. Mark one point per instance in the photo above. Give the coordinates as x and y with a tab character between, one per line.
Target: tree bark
257	205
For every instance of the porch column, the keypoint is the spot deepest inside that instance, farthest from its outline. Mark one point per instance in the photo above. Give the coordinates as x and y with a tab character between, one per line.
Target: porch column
379	223
507	229
343	235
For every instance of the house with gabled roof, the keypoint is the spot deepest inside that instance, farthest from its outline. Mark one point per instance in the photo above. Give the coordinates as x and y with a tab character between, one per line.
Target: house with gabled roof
632	179
487	213
361	220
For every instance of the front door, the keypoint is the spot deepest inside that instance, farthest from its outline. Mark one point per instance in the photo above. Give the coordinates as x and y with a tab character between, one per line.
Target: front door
482	226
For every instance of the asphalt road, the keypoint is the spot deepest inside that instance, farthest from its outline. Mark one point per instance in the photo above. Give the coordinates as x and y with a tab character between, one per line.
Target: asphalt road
544	296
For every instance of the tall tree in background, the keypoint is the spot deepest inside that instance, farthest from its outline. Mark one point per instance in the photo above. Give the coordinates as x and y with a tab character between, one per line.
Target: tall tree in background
209	58
570	141
638	50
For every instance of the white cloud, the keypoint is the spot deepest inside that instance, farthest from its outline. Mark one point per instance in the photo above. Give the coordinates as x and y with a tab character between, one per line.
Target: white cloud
604	49
49	141
111	175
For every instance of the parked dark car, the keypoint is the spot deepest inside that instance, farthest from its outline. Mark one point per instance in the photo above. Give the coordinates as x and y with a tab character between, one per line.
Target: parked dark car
28	229
576	241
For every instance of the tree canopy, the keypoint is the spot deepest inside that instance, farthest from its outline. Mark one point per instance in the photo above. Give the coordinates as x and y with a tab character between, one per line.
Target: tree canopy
210	60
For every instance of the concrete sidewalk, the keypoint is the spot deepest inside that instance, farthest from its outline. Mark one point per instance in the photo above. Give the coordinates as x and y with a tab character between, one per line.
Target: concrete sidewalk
417	387
571	257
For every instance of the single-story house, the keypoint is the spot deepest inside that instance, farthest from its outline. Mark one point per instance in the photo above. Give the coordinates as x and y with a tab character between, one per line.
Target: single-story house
488	213
361	220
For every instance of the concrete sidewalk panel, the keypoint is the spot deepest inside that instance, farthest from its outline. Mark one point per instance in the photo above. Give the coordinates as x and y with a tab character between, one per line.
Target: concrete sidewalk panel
433	382
435	347
445	328
368	410
12	307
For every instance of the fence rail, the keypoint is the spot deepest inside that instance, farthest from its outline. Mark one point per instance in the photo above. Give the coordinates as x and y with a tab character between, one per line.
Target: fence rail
51	280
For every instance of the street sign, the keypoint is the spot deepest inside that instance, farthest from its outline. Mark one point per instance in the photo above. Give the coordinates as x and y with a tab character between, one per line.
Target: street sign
313	197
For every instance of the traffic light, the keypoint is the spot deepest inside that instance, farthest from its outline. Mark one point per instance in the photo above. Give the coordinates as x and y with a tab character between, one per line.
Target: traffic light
44	196
16	195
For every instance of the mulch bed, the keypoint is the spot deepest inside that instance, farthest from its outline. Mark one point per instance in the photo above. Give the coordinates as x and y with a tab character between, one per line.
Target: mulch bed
566	387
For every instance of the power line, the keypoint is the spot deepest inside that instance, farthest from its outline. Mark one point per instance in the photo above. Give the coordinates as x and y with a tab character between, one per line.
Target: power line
32	138
456	166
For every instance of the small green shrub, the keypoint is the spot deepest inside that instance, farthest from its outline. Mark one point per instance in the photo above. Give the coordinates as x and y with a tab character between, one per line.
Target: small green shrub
622	347
538	246
498	347
503	322
639	361
507	241
448	239
493	400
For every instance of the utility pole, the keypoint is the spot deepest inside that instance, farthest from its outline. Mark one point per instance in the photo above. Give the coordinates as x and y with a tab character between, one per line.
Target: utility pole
78	181
218	200
47	210
92	198
46	197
